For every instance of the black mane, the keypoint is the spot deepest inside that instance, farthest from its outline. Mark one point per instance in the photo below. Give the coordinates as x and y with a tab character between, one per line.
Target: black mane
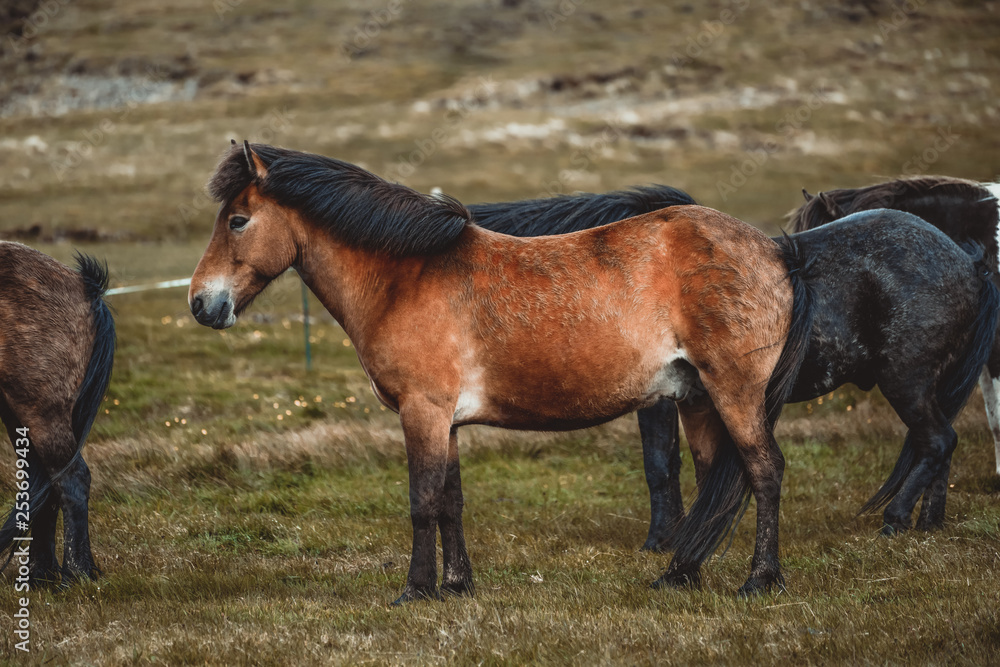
919	195
358	207
570	213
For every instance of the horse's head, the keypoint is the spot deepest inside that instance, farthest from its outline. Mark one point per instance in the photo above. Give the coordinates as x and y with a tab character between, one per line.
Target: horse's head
253	242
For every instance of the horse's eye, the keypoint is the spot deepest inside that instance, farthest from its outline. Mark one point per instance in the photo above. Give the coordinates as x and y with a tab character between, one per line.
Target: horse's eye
238	222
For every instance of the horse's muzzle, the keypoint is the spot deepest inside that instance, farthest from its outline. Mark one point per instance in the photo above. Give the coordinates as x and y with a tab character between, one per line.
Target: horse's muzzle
215	311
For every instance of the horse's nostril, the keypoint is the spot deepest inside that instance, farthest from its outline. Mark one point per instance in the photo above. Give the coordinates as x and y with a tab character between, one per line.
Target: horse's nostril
197	305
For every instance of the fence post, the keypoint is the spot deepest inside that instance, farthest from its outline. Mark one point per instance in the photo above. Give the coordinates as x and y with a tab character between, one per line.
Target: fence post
305	327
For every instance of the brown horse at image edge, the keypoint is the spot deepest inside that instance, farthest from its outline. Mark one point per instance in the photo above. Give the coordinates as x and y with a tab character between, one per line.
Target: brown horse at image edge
455	325
57	345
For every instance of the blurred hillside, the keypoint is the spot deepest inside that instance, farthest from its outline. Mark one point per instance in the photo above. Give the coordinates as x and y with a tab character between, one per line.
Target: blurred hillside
112	114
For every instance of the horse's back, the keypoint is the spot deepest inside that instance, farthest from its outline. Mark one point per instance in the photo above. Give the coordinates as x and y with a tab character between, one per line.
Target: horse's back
680	256
888	287
564	214
881	239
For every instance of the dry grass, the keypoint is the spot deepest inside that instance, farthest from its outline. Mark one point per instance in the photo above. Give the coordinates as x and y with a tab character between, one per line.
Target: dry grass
234	537
288	547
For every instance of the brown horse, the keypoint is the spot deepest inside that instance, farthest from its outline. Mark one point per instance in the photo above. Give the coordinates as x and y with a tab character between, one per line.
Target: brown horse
458	325
57	342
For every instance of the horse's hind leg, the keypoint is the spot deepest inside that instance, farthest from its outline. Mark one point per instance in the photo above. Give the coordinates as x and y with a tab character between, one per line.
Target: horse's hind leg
43	565
932	440
457	576
704	428
765	467
933	449
742	450
661	457
748	449
55	444
73	488
932	508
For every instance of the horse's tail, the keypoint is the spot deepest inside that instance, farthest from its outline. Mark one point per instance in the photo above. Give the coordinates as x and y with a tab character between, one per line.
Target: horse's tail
88	401
959	379
102	356
786	371
725	492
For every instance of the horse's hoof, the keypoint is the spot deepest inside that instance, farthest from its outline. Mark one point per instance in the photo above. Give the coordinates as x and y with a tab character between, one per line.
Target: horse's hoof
891	530
40	579
459	588
750	590
412	594
656	545
757	585
73	576
688	579
929	525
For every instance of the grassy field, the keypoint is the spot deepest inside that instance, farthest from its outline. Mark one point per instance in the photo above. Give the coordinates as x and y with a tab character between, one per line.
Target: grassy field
246	511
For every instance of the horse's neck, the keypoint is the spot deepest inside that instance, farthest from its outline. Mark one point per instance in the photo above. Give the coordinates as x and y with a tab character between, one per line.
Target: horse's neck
355	285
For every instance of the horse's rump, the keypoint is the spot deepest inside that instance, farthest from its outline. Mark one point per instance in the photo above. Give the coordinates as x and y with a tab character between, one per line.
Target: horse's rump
55	360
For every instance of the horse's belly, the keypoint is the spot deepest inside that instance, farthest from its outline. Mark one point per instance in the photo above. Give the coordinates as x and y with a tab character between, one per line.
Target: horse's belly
570	398
830	363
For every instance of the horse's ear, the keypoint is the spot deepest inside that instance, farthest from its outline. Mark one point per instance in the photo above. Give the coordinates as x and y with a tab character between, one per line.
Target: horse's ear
232	141
257	167
830	204
805	193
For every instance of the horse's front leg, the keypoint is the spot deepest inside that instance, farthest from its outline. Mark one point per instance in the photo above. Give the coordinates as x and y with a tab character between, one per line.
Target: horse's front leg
661	459
457	576
426	428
